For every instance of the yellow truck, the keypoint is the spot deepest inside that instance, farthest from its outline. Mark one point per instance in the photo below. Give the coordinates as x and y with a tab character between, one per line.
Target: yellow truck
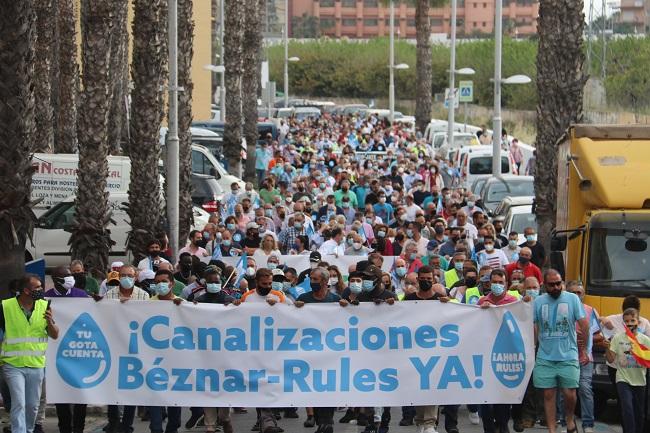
603	219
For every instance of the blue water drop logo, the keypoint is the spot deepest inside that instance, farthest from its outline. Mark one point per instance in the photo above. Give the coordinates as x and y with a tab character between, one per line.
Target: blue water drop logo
83	359
509	353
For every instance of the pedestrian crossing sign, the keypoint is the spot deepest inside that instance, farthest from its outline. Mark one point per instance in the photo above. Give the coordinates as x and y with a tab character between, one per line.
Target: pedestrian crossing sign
466	89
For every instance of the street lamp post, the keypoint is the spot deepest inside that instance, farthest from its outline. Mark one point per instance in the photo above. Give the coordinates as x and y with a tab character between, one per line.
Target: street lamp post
222	79
452	72
173	169
286	56
391	61
496	120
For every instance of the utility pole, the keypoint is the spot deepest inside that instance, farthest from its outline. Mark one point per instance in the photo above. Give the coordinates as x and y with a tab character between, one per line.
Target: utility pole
222	78
391	61
286	53
496	120
451	102
172	132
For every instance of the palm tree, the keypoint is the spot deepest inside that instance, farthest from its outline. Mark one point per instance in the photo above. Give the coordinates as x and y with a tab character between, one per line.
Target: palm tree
90	239
148	71
560	87
117	119
17	124
423	68
185	53
252	62
233	44
45	31
67	79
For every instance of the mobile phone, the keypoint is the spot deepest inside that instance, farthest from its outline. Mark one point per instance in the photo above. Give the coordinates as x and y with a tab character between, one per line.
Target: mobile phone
49	301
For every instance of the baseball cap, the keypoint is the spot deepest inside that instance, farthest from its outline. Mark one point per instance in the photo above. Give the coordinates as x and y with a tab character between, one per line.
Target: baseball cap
147	274
116	266
278	275
112	276
252	225
315	257
373	272
432	245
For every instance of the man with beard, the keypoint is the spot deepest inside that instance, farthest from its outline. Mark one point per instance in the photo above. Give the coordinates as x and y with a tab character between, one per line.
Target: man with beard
153	258
556	314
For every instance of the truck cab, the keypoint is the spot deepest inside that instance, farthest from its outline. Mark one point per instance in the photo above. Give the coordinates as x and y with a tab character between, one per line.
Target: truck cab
603	221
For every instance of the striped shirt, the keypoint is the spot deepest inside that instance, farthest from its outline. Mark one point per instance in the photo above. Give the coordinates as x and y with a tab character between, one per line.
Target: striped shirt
136	295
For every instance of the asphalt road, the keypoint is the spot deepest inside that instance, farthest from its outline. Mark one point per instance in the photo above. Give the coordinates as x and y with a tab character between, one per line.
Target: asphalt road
243	422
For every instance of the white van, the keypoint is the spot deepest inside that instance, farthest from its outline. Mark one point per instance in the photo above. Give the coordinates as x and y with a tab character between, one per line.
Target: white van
52	231
475	162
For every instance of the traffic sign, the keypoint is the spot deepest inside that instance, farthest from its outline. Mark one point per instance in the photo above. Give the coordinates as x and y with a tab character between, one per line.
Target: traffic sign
456	100
466	91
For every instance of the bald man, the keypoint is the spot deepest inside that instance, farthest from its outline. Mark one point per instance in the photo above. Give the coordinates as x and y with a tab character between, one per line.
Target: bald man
525	265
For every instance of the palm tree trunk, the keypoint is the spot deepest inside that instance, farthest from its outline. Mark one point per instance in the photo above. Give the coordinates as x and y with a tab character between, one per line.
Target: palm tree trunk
252	63
233	41
68	79
45	28
185	53
560	87
422	65
117	122
90	239
149	60
17	124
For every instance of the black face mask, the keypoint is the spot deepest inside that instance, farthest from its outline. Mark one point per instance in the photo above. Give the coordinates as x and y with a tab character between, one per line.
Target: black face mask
425	285
470	282
37	295
439	230
79	279
186	267
154	254
454	238
524	260
263	290
201	243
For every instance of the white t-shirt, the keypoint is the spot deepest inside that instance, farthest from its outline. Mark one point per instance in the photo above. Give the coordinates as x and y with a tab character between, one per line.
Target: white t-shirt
411	211
496	259
331	247
147	263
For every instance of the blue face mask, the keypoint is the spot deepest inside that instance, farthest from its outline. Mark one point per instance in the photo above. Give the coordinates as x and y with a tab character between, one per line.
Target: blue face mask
162	289
277	285
367	285
413	256
213	287
231	227
237	237
271	265
227	243
409	233
401	271
533	293
381	233
286	286
127	282
355	288
458	266
497	289
315	287
297	226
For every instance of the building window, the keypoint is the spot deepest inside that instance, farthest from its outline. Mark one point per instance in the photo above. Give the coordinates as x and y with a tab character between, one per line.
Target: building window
474	24
483	24
484	5
370	3
326	3
436	22
370	22
327	23
474	4
410	22
349	3
349	22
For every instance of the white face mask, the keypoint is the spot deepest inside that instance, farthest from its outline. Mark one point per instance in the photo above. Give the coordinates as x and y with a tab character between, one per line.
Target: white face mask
68	282
250	271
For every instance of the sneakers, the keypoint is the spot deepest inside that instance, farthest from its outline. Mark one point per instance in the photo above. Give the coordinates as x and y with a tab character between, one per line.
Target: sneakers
327	428
370	428
588	429
309	422
227	427
193	421
362	420
38	428
349	416
518	426
406	422
291	413
428	429
474	418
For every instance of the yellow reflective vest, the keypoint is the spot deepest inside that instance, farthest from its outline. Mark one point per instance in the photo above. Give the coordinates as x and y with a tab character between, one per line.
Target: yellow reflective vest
472	295
451	277
25	341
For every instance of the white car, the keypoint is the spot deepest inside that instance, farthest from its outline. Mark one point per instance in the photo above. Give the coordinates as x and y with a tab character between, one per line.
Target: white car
517	219
475	162
51	234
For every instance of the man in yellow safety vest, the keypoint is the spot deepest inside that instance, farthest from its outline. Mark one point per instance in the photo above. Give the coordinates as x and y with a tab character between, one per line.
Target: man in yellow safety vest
26	322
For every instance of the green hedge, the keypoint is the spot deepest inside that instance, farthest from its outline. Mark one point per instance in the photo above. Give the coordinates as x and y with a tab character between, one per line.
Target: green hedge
340	68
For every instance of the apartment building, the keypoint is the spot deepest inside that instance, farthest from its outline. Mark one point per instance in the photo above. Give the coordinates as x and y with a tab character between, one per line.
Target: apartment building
370	18
636	13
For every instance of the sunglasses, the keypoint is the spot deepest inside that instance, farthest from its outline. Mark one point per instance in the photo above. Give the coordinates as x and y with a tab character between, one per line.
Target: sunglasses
554	284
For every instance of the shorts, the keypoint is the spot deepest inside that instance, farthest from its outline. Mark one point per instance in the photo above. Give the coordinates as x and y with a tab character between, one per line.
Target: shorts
556	374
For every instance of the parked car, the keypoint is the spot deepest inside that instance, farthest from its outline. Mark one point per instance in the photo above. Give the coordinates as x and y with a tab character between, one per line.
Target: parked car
476	162
497	188
509	202
52	231
518	218
206	192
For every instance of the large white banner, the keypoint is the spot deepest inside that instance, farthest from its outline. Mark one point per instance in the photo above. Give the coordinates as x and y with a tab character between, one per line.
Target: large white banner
257	355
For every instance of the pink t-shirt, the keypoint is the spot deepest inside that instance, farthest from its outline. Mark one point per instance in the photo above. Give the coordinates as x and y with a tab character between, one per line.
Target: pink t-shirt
490	299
